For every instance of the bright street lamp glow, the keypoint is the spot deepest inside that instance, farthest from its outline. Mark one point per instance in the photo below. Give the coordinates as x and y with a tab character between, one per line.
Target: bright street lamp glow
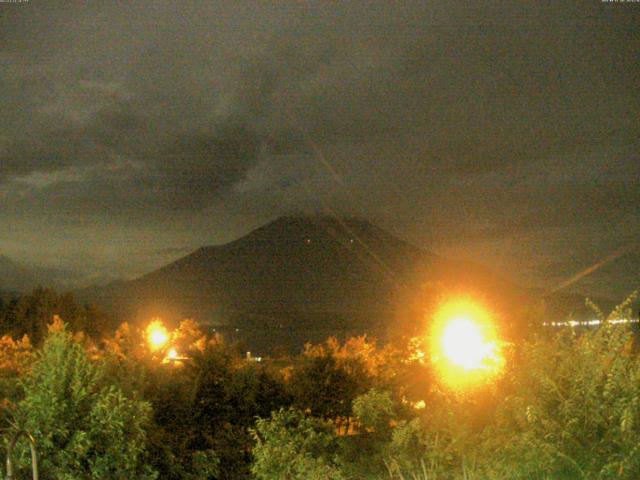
157	334
158	338
464	344
465	348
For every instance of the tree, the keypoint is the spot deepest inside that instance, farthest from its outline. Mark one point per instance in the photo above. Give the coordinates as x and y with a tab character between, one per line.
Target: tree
15	359
319	385
293	446
85	428
30	314
573	409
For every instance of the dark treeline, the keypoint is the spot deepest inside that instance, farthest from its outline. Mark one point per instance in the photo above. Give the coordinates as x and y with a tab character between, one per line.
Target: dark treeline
29	314
202	410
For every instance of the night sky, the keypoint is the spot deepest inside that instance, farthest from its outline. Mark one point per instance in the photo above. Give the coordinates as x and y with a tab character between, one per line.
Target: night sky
132	133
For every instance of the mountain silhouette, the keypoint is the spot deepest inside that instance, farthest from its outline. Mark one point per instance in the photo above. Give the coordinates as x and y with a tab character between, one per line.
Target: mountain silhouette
294	280
16	277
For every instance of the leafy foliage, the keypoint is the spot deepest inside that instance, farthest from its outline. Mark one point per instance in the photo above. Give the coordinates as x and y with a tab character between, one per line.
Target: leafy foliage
567	406
574	410
31	313
294	446
84	427
324	388
374	410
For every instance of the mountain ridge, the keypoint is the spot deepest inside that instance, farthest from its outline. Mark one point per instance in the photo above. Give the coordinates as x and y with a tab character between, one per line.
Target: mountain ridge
17	277
315	276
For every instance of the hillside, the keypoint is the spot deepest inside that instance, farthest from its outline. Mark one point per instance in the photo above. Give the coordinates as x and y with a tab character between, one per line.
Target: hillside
15	277
297	279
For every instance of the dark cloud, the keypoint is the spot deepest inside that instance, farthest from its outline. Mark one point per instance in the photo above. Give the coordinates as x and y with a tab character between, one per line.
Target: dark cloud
458	126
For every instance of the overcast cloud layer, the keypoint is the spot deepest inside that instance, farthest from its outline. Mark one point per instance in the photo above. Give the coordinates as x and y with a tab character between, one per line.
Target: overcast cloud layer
132	133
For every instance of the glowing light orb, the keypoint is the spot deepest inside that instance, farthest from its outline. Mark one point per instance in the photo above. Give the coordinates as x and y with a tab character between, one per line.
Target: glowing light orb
172	354
465	347
464	344
173	357
157	334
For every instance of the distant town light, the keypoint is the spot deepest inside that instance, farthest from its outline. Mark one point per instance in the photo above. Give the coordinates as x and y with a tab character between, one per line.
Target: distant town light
589	323
251	358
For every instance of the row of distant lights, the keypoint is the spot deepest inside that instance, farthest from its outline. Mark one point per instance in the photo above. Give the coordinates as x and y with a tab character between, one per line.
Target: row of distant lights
308	240
589	323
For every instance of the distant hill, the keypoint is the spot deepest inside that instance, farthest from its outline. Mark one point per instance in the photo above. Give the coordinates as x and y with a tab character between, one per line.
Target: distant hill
297	279
16	277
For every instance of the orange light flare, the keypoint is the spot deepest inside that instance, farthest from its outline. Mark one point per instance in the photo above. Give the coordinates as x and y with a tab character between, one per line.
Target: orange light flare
157	334
172	354
465	347
173	357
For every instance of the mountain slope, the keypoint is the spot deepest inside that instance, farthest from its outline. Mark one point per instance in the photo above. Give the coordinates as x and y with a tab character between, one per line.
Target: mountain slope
16	277
19	278
296	279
